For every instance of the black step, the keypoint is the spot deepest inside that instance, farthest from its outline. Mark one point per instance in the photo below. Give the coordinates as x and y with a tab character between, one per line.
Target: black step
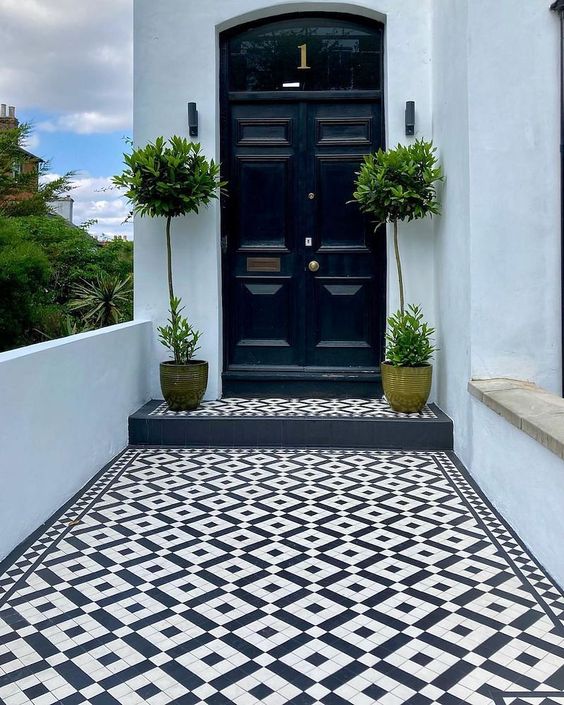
272	429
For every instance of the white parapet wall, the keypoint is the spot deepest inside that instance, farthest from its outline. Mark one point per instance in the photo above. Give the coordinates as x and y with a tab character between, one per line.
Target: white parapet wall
524	481
63	416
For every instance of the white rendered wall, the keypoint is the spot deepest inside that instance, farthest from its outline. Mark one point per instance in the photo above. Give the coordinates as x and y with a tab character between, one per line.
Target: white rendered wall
524	481
496	121
64	412
513	89
453	246
176	61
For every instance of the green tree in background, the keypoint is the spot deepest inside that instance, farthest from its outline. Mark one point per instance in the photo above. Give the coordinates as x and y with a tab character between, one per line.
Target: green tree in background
24	276
43	259
74	254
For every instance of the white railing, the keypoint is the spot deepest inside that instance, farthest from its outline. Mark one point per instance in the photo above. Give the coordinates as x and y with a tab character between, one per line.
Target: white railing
64	406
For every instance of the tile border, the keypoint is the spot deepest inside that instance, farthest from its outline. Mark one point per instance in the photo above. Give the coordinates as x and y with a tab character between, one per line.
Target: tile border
546	591
501	698
22	561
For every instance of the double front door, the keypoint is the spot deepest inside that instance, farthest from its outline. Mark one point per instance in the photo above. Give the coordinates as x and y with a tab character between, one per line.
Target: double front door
304	270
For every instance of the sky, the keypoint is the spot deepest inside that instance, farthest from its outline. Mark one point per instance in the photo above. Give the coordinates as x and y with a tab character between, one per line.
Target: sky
66	66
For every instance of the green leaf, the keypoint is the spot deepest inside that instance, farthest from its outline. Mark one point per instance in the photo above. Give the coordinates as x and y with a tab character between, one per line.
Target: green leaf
400	183
409	339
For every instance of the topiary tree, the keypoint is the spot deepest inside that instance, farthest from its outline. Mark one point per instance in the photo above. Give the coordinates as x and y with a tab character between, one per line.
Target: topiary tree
169	179
399	184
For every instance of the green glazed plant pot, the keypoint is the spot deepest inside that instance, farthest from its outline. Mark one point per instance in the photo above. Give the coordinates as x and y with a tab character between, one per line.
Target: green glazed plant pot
184	386
407	388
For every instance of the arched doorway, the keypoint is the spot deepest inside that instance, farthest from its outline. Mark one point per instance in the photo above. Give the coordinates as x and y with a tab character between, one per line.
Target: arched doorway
304	275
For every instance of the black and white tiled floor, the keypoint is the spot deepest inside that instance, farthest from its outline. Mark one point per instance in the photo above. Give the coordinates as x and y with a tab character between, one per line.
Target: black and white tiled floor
298	408
224	577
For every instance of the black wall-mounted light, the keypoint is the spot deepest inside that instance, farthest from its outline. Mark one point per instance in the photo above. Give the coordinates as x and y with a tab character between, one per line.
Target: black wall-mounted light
192	120
410	117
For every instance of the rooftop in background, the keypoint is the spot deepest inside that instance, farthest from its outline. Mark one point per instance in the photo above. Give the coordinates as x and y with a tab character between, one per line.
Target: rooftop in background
9	121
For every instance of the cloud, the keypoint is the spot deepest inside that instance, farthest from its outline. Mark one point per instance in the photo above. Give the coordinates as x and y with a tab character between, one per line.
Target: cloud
70	58
32	141
70	62
86	123
96	198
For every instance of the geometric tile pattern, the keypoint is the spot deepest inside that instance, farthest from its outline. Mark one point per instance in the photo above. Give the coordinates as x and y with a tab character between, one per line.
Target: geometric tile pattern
297	408
302	577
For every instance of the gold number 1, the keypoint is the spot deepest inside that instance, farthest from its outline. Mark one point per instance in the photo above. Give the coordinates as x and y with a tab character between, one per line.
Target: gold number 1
303	57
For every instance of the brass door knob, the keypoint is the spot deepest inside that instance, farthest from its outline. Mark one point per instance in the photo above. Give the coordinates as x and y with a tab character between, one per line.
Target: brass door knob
313	266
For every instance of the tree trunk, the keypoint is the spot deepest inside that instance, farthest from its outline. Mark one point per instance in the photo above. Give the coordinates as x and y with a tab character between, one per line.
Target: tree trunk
169	258
398	263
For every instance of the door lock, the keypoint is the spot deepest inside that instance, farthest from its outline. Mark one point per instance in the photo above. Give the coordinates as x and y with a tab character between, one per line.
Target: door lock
311	196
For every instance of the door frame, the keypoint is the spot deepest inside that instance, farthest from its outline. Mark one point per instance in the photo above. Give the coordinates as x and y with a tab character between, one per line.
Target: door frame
225	143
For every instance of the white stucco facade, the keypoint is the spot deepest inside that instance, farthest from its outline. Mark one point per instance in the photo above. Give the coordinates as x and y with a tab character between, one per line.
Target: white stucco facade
490	109
497	264
177	61
497	244
484	76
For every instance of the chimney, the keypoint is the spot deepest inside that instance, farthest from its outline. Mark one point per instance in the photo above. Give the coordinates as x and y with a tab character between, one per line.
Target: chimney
10	121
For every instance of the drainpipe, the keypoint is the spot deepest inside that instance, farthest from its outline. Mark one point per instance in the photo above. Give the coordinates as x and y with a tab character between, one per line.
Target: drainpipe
558	6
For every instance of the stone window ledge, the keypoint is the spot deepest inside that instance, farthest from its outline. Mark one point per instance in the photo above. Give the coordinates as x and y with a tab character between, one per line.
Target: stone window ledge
531	409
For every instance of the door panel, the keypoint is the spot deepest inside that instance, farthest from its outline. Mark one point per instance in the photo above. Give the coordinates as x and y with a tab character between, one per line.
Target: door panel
344	131
339	222
266	312
340	306
292	168
268	131
264	201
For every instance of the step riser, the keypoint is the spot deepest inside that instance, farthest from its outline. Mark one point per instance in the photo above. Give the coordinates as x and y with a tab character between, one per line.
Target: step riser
233	432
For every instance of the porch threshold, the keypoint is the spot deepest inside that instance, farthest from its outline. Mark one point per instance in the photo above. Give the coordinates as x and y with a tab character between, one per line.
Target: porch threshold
303	382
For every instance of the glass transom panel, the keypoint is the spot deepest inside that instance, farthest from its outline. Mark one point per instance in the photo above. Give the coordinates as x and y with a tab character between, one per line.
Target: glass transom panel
308	54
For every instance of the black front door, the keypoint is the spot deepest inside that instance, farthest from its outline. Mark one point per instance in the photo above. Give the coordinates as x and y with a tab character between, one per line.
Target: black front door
304	273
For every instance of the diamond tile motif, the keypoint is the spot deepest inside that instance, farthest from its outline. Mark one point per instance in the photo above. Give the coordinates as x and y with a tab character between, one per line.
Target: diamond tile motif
299	408
224	577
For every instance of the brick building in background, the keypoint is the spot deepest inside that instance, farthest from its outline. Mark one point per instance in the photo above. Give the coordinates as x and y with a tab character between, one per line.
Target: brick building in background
30	164
9	121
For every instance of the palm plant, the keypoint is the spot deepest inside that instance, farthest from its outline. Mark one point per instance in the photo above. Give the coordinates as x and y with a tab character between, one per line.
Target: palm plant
104	301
